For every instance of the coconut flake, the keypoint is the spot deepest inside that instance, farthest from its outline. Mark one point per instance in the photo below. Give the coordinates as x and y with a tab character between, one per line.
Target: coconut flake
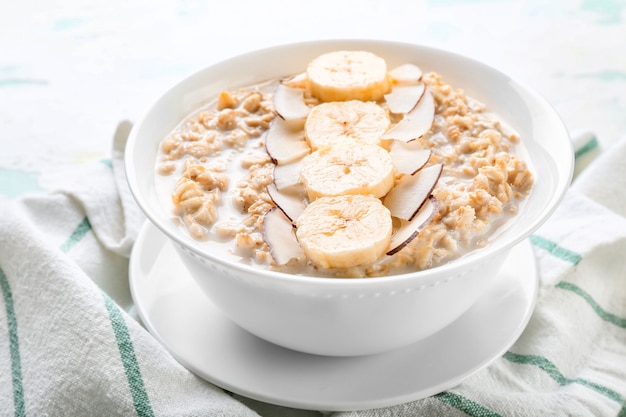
415	123
287	176
410	229
407	197
289	102
295	81
408	158
292	204
406	74
285	141
404	98
280	237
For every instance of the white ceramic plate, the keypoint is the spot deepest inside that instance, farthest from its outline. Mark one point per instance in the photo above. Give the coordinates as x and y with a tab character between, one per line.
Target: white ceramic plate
183	319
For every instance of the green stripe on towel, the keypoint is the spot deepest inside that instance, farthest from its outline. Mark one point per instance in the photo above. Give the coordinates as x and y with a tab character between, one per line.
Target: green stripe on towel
554	373
79	232
611	318
141	401
587	147
14	348
129	360
468	406
554	249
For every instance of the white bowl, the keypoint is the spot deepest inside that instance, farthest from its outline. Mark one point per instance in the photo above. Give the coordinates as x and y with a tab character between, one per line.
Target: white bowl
345	317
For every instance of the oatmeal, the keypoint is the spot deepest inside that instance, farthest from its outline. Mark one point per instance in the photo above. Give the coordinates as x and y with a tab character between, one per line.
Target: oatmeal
198	154
233	163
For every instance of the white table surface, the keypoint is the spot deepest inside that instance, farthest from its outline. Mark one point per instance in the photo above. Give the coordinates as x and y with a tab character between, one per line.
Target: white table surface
70	70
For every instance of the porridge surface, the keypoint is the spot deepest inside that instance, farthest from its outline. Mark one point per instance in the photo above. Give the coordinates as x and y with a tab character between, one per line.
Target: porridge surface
213	172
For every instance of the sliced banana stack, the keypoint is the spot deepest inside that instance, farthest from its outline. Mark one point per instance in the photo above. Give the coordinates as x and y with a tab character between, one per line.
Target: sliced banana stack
353	184
344	231
358	121
348	75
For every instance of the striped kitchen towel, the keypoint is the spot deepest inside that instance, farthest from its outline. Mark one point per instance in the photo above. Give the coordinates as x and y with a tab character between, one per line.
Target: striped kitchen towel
67	345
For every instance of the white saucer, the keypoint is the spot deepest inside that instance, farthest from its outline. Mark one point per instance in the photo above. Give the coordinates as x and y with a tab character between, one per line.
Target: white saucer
180	316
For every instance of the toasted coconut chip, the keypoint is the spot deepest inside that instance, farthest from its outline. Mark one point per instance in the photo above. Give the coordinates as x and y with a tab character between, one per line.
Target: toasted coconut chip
280	237
288	175
408	158
404	98
292	204
406	74
407	197
295	81
289	102
415	123
285	141
410	229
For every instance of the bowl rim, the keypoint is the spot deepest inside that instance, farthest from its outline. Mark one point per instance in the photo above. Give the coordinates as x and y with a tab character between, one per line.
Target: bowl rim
448	269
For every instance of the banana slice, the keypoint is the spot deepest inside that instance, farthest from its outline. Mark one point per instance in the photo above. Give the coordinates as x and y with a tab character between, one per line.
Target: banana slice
344	231
340	121
347	169
348	75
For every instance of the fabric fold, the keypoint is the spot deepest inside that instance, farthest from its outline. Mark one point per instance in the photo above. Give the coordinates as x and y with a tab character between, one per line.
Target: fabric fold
72	349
